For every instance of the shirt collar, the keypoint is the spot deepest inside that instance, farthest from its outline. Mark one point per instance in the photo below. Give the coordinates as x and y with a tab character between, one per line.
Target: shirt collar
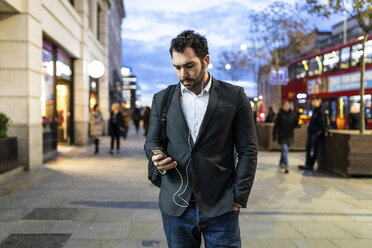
205	90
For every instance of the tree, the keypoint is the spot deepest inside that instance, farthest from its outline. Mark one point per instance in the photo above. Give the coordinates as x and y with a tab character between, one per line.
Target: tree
237	63
362	11
278	32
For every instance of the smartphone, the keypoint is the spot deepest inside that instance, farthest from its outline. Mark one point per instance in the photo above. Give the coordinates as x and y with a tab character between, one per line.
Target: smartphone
159	150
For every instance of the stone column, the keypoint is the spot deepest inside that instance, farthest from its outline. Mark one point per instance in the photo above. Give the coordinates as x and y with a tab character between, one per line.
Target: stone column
81	78
20	80
104	97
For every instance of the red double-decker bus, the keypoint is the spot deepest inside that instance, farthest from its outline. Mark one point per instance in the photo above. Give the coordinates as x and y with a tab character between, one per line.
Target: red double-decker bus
332	74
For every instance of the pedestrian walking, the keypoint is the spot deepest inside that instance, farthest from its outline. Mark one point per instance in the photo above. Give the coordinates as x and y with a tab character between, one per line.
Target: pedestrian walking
354	117
285	123
146	119
95	121
270	115
116	127
126	113
315	130
136	117
198	123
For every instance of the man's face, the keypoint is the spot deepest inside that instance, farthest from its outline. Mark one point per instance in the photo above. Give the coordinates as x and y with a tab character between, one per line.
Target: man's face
315	103
190	70
286	106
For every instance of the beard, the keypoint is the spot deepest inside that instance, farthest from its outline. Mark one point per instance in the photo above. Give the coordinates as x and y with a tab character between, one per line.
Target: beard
196	84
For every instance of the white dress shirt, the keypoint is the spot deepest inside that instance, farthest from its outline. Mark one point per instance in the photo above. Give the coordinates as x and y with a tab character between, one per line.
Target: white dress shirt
194	107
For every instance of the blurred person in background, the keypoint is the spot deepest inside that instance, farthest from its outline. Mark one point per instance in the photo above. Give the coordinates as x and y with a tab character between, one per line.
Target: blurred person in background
146	119
354	117
116	127
286	121
316	129
126	113
270	115
95	121
136	118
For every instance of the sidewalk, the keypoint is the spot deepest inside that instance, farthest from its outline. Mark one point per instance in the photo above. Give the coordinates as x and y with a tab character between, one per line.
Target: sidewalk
106	201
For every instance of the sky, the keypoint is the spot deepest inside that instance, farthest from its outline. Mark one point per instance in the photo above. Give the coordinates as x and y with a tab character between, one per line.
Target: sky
150	25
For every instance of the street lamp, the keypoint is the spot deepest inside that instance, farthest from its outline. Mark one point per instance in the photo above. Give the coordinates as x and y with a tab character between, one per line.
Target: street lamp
227	66
210	66
96	69
243	47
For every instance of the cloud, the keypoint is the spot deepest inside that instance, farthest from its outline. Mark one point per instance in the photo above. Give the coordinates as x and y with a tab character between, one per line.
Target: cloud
150	25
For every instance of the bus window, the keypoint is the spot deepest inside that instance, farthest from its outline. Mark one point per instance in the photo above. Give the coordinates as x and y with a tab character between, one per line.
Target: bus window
369	52
345	57
292	71
356	54
330	62
302	68
315	66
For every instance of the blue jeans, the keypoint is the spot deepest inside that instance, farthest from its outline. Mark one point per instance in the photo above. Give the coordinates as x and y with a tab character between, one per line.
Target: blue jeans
312	144
284	154
185	231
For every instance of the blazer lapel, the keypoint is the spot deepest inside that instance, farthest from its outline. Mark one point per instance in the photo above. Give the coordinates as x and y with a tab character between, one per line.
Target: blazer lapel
214	95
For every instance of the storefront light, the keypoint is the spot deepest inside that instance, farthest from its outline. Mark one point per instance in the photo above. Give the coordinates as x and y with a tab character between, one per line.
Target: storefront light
301	96
96	69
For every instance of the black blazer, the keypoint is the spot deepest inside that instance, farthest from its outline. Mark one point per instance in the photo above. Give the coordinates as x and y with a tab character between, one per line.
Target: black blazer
216	179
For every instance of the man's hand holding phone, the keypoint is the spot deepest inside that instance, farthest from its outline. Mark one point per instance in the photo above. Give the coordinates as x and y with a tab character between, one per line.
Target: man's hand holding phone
162	160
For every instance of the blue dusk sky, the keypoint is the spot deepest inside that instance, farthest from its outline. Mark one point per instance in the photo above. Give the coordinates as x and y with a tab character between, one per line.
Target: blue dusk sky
150	25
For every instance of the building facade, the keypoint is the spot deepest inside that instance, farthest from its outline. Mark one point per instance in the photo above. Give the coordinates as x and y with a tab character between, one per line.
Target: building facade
46	52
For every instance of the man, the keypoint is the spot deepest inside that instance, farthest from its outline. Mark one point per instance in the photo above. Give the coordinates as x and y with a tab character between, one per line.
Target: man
315	131
125	111
201	187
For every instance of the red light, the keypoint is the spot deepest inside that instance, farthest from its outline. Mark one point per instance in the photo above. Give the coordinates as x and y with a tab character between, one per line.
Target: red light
51	102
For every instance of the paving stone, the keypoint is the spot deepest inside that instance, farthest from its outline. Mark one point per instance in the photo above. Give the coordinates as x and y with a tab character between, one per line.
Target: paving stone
313	243
357	229
266	230
320	230
146	231
73	243
25	227
353	243
267	243
92	230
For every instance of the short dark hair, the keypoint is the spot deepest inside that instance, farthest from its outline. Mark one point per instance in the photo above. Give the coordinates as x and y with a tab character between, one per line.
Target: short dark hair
189	38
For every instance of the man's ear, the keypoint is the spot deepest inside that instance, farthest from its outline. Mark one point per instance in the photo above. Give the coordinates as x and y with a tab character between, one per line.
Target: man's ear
206	60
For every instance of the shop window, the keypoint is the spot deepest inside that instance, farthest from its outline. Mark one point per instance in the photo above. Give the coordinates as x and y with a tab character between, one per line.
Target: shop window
345	57
302	68
64	66
47	100
331	61
93	92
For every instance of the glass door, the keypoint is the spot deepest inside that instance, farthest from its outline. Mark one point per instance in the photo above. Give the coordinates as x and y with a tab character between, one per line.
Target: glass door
63	111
